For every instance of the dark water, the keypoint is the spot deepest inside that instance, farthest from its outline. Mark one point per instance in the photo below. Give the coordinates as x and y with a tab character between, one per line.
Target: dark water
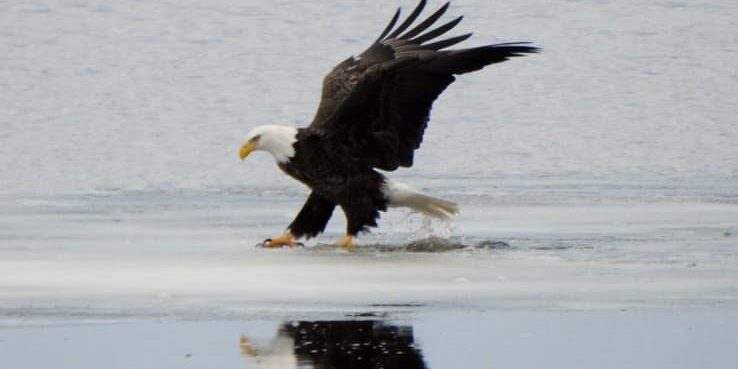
521	338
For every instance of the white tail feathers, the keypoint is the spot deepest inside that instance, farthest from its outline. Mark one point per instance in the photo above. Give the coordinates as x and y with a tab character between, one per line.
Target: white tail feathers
402	195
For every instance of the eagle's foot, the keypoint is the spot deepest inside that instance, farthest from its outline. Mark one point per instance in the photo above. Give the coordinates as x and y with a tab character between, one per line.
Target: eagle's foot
246	348
347	242
286	239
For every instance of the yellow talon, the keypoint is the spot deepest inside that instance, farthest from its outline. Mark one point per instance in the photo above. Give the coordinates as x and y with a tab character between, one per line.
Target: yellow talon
287	239
246	348
347	242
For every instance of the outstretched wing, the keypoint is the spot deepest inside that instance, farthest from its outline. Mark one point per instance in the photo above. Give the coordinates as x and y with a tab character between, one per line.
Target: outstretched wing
376	106
339	83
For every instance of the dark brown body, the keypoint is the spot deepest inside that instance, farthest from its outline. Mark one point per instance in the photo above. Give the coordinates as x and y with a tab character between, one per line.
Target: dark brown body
334	179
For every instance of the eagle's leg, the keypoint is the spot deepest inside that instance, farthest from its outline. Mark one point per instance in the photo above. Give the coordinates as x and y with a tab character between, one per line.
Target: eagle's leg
287	239
361	214
347	242
312	218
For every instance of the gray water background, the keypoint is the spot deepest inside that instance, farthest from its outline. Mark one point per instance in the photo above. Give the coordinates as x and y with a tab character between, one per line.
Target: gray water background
156	96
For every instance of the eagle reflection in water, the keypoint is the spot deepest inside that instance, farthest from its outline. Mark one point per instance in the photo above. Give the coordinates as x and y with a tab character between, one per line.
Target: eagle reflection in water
337	345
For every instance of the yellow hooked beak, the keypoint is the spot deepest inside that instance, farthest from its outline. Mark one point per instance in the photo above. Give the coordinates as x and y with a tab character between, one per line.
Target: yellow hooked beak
246	149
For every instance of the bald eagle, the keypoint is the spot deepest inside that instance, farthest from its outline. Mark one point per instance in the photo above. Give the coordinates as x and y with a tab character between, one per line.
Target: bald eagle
373	111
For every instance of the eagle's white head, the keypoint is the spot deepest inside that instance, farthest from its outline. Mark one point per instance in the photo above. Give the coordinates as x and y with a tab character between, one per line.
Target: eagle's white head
276	140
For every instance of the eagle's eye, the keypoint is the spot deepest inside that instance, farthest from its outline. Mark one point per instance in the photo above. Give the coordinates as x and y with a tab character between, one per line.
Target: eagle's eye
255	138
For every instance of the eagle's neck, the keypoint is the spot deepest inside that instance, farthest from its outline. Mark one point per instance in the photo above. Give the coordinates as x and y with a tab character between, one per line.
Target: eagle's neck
279	141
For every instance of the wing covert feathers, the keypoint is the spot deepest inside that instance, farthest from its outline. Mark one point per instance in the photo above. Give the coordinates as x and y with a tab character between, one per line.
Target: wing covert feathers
377	104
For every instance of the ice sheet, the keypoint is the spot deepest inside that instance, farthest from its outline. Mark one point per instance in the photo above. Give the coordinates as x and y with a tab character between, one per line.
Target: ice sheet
194	255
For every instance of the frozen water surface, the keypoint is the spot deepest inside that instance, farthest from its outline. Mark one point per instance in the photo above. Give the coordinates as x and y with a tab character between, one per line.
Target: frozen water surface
194	255
607	163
